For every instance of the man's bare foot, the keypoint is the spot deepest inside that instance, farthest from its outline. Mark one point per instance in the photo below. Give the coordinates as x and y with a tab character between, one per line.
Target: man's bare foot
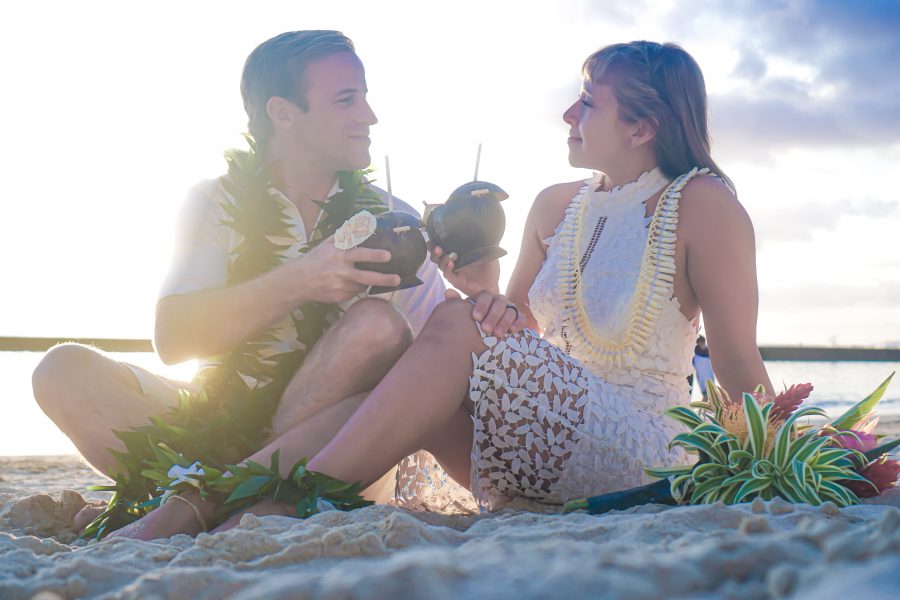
170	519
261	509
84	516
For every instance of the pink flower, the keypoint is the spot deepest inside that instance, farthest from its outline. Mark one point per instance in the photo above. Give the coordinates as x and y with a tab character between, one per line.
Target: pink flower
845	439
882	474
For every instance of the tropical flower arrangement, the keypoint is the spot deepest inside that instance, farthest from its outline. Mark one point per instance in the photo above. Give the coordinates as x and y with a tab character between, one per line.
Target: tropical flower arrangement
758	447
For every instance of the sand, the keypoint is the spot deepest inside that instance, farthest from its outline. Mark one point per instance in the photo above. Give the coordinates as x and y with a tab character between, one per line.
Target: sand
759	550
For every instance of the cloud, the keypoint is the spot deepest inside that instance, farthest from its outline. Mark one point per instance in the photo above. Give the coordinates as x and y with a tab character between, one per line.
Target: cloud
833	295
780	225
848	93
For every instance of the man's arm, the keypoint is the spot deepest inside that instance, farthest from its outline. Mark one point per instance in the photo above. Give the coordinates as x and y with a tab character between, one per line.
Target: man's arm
200	315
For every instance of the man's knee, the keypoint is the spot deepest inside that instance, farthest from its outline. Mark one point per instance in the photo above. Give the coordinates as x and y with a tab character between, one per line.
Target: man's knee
383	325
61	371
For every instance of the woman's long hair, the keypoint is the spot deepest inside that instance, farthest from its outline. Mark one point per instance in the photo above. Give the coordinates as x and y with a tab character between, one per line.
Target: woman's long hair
664	85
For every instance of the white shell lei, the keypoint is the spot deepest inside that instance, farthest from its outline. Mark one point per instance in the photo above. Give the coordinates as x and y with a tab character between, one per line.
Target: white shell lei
655	282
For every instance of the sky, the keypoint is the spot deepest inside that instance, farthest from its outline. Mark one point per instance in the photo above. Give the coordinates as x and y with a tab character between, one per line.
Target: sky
113	110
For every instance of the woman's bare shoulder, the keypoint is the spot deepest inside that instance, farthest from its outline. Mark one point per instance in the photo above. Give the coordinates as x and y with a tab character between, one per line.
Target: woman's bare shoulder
550	206
707	202
553	200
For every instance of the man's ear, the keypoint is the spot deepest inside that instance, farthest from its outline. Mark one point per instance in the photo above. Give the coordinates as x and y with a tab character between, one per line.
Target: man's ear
281	112
644	132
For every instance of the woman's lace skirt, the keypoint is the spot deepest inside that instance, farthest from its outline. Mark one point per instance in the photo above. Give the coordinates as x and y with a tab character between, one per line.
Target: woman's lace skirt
546	429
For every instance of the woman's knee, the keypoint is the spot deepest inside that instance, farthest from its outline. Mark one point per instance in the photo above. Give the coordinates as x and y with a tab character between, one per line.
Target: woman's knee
450	318
384	325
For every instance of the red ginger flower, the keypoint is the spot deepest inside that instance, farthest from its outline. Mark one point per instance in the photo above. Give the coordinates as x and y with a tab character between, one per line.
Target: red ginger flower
882	474
785	403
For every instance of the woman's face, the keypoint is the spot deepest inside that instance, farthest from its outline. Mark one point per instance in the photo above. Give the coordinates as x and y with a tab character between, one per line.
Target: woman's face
597	136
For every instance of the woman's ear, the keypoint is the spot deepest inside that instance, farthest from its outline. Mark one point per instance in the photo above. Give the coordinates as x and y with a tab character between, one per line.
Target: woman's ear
644	131
281	112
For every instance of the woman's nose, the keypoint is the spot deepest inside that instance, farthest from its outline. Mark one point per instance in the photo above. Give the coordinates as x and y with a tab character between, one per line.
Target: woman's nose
571	115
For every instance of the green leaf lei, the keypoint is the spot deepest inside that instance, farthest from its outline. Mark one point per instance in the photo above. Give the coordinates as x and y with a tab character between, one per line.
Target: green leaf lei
207	433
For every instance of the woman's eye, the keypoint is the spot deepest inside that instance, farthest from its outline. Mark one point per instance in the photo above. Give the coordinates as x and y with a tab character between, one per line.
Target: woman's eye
585	102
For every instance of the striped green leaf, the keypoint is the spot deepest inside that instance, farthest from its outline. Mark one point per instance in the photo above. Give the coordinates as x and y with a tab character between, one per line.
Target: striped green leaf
685	416
762	469
756	425
862	408
710	485
664	472
751	487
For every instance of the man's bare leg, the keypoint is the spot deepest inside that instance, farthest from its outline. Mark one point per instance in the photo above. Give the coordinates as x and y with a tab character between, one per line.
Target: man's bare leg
349	359
88	395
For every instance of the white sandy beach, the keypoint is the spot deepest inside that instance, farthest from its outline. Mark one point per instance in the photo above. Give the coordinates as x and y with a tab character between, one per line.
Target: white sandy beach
759	550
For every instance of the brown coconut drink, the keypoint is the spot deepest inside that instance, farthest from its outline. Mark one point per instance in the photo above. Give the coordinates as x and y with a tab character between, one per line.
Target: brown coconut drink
400	234
471	223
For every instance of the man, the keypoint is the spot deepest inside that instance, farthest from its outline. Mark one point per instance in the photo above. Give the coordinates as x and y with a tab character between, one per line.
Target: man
305	96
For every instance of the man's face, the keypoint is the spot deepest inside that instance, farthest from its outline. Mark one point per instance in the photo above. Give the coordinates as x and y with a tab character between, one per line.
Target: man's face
335	129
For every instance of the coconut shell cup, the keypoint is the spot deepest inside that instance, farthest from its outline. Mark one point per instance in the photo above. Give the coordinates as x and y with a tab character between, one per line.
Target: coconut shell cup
400	234
471	223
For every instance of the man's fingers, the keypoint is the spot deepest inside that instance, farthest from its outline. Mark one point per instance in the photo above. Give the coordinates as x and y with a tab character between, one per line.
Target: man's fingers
367	278
360	254
451	294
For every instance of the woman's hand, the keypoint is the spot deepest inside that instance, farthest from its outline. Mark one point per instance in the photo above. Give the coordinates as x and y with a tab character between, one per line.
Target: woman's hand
497	315
471	280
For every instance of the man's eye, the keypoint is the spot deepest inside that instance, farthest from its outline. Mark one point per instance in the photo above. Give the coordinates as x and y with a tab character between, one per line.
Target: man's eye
346	101
585	102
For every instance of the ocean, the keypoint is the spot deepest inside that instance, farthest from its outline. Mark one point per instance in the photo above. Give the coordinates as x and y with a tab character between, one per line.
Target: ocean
25	430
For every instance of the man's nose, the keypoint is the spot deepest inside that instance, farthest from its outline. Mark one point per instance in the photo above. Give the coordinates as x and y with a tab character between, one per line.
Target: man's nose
368	116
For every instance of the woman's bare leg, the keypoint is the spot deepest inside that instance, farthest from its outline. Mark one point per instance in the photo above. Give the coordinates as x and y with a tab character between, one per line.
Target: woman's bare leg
413	405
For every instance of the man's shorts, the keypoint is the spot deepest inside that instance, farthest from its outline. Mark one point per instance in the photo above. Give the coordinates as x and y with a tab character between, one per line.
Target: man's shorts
158	389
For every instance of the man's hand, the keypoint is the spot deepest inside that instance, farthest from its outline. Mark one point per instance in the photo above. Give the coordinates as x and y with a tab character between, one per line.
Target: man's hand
330	275
471	280
497	315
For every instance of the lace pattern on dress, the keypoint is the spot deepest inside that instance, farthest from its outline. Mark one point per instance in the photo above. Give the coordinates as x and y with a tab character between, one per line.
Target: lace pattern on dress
529	402
422	484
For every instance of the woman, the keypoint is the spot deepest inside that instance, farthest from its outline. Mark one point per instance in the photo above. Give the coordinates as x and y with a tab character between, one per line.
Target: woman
615	272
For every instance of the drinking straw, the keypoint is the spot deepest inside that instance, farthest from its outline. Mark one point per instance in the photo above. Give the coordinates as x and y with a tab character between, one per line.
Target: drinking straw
387	172
477	162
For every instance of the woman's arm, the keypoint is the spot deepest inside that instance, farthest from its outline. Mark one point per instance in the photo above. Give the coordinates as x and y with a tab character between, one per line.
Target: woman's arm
546	213
480	281
720	261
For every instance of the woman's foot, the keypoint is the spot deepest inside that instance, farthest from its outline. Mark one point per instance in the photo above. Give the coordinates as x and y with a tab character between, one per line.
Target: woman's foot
260	509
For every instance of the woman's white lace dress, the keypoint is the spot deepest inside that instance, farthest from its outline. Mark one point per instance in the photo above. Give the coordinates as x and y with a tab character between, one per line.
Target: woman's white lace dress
578	412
